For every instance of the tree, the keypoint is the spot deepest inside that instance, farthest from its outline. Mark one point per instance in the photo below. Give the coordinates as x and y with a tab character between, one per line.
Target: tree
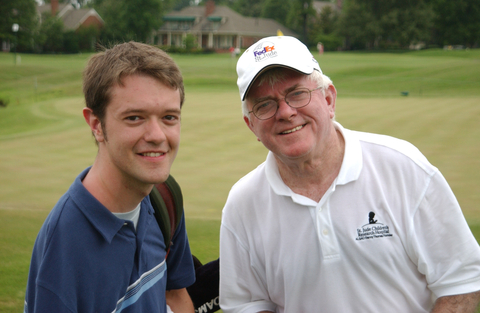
386	23
71	42
403	26
111	12
251	8
21	12
190	42
276	9
358	26
130	19
50	34
87	37
457	22
298	18
327	20
143	16
324	29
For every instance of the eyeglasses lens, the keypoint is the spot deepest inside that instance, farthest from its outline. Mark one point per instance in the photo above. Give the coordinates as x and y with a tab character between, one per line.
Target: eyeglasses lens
295	99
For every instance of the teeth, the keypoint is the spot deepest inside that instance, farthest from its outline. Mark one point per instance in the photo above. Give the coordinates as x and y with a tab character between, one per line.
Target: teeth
293	130
152	154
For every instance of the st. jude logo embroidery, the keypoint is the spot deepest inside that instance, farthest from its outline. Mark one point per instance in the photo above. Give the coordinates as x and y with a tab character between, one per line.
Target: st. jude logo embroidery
373	229
264	50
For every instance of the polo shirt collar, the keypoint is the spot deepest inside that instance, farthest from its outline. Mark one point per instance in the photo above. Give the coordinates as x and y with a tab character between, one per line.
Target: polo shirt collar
349	171
352	159
96	213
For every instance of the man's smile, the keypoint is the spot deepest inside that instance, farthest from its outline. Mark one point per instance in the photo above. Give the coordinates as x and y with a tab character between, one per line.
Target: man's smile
292	130
152	154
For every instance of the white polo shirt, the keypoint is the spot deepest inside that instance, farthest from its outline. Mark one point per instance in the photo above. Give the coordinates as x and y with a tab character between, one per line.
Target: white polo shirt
388	236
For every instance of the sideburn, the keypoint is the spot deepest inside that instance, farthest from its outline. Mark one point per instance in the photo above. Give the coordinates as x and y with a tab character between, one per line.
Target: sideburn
104	131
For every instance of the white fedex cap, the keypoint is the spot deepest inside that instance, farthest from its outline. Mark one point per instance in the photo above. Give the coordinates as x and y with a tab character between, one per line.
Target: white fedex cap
269	52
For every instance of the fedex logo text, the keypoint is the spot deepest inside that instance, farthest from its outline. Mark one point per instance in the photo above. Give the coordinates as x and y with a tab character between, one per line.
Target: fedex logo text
265	50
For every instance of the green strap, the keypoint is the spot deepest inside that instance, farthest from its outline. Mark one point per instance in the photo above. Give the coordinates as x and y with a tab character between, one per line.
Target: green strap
167	201
176	192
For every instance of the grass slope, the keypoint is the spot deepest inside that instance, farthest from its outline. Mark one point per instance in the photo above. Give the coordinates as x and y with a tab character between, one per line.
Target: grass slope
45	142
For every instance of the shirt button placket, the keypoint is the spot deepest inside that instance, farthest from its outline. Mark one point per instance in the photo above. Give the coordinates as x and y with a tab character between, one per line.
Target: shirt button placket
326	235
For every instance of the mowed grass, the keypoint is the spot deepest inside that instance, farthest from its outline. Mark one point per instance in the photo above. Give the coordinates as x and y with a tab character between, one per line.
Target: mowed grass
44	142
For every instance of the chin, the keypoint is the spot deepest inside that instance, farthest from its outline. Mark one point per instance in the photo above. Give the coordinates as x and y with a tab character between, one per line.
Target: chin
296	152
154	179
160	179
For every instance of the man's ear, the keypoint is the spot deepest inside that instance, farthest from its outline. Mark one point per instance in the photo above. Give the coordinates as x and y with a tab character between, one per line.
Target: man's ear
248	122
331	98
250	125
94	123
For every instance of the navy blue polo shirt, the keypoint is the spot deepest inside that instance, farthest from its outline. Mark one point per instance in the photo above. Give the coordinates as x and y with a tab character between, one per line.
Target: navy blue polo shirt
87	260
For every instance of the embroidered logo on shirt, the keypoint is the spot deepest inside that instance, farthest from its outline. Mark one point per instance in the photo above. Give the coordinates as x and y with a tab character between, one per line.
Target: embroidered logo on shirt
373	229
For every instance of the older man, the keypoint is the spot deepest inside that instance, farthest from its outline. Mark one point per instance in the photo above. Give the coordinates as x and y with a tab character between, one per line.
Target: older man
335	220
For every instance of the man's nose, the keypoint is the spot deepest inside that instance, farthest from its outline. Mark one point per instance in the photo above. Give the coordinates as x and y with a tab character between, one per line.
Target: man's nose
154	132
284	111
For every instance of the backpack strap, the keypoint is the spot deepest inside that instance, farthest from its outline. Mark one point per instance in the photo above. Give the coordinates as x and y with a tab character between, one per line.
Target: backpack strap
167	201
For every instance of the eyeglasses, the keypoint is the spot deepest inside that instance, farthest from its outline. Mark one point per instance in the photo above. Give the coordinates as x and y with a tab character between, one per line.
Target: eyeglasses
297	98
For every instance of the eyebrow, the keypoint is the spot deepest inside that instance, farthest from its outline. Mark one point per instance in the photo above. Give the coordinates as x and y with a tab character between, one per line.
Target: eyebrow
140	111
292	88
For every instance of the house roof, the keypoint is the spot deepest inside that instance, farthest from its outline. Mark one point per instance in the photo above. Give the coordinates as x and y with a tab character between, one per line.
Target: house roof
47	7
72	18
225	21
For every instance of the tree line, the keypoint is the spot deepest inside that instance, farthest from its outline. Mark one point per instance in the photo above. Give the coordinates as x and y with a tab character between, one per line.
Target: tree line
345	24
373	24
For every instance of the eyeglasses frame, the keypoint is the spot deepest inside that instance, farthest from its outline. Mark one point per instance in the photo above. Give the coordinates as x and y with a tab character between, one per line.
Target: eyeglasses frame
285	99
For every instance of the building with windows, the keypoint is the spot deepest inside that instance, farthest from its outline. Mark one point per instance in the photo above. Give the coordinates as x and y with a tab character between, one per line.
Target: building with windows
73	18
216	27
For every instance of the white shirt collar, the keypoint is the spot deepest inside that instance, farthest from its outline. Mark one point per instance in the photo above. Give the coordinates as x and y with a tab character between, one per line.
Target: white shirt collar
352	159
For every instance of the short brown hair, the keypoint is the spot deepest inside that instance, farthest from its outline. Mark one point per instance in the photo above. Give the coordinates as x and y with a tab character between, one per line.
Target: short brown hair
107	69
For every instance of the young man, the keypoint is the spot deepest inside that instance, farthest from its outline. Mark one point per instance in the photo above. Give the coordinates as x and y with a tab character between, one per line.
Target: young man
101	249
335	220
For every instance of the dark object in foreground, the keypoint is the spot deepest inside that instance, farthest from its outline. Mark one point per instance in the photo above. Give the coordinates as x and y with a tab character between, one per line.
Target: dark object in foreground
204	292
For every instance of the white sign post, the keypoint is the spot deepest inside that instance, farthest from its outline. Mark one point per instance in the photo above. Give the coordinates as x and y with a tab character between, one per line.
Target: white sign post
15	29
